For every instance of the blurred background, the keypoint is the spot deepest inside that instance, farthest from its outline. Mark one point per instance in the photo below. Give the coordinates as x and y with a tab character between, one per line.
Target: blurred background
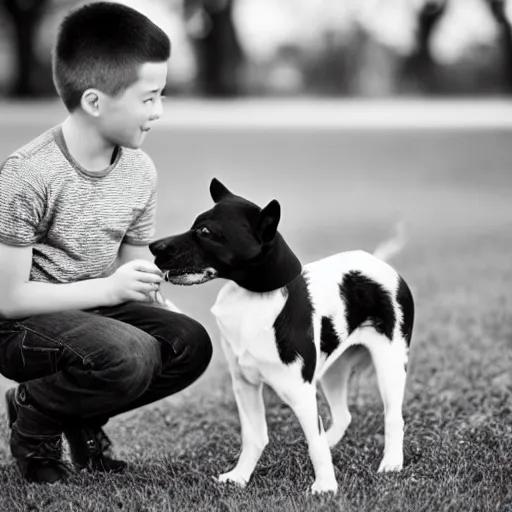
348	48
354	114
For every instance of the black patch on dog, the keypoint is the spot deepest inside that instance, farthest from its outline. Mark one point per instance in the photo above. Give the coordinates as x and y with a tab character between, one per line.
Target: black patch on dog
293	328
406	302
329	340
367	301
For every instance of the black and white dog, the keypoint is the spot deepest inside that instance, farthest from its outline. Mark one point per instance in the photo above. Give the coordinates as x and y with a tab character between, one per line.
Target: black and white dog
293	327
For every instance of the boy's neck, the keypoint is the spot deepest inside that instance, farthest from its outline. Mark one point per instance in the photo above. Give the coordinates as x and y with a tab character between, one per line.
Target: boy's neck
86	145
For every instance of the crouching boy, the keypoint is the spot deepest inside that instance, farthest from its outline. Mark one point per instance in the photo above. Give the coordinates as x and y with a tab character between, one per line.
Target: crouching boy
78	329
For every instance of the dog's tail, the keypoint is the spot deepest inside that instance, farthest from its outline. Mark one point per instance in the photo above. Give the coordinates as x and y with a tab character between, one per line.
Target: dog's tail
391	247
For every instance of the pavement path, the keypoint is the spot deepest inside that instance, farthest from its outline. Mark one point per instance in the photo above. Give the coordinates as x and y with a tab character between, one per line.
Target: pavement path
297	113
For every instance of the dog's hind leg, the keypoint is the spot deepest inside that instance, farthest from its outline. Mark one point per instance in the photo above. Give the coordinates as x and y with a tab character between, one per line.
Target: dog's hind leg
389	359
335	387
302	400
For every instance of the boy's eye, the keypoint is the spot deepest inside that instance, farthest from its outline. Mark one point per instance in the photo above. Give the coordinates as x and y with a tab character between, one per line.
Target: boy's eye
149	100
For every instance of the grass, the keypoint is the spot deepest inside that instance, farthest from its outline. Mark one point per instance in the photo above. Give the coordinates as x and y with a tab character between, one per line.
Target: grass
339	190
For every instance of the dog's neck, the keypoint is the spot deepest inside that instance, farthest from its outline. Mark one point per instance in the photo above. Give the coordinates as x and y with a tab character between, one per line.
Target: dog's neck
276	267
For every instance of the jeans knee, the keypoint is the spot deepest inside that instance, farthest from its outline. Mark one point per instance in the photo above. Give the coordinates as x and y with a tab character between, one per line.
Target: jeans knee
198	348
131	369
131	377
203	349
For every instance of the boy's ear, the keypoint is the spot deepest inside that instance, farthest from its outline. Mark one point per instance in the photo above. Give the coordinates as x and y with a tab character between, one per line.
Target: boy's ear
218	191
268	221
90	102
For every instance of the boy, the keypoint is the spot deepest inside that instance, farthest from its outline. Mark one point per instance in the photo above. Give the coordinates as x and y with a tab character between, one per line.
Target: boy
78	330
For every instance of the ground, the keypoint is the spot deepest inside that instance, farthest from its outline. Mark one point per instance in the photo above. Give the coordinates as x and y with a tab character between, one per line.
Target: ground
339	189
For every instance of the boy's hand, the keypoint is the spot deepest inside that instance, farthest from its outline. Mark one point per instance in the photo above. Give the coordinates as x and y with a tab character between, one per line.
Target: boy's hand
134	280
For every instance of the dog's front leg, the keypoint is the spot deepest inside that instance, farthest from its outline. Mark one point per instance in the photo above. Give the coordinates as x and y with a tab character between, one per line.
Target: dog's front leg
302	400
251	410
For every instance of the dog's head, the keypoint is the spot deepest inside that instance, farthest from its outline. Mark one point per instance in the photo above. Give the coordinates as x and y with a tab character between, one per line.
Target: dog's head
233	240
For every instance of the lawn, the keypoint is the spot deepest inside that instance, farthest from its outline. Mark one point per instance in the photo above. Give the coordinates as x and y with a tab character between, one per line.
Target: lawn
338	190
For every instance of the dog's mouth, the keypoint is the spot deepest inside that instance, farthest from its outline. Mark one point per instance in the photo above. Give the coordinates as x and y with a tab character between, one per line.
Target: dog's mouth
190	276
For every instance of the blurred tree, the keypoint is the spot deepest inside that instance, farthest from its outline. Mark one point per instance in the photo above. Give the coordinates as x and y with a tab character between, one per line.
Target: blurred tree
218	51
420	67
25	15
498	9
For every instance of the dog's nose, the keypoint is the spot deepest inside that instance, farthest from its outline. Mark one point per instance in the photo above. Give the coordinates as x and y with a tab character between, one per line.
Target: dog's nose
156	247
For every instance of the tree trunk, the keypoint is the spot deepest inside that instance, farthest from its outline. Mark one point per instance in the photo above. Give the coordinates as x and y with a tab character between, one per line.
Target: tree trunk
420	66
25	15
498	9
218	50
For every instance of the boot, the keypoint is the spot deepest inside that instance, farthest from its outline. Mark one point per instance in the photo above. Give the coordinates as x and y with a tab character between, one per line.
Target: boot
90	449
36	441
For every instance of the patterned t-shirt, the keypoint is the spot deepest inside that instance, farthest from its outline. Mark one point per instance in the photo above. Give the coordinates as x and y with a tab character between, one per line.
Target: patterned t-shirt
74	220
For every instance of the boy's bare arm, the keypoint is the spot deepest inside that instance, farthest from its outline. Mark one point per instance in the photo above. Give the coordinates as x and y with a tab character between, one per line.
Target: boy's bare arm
20	297
130	252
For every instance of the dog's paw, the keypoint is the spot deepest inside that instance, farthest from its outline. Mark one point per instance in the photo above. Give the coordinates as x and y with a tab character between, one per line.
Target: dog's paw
322	486
388	465
234	477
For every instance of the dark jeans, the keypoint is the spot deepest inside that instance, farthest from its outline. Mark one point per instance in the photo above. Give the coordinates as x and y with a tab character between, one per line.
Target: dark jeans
87	366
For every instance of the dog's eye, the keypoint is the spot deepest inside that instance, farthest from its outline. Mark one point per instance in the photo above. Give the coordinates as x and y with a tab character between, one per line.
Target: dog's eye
205	232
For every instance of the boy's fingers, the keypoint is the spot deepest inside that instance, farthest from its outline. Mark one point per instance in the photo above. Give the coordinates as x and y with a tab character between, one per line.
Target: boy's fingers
146	277
148	284
146	266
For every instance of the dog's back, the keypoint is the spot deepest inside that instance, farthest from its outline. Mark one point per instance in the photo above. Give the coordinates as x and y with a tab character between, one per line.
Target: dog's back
353	290
312	318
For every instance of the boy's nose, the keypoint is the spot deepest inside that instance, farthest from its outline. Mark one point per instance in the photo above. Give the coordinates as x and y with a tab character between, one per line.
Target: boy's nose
158	110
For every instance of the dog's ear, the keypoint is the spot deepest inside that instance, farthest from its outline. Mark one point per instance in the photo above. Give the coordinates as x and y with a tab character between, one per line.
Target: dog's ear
218	191
268	221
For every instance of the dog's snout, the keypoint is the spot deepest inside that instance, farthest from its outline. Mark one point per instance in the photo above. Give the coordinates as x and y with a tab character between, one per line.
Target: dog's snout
157	246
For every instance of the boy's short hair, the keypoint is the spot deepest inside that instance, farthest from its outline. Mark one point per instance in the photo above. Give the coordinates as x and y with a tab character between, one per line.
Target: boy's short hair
102	45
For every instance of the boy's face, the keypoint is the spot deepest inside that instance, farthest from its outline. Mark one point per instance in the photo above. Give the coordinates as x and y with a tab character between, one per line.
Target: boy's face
126	118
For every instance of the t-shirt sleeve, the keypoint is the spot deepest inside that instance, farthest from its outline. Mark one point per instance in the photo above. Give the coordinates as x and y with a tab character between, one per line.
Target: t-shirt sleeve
22	204
142	229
